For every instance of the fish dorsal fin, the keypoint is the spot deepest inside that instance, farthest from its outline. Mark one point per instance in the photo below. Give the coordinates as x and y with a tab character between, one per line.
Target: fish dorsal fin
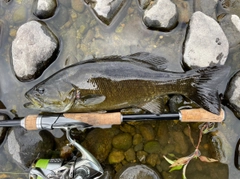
92	99
156	106
155	62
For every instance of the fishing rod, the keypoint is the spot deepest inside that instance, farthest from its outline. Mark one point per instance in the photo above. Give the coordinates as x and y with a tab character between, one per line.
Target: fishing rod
87	165
36	122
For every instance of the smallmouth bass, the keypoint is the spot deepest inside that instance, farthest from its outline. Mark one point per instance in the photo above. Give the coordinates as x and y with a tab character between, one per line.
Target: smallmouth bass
119	82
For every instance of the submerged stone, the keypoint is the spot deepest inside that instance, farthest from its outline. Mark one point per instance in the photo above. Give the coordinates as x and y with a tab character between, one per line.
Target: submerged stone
161	15
206	43
152	147
19	15
115	157
99	143
78	5
34	48
106	10
147	132
122	141
232	94
26	146
44	9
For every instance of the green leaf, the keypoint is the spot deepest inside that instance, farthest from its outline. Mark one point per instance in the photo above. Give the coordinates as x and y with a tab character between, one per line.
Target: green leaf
168	160
179	167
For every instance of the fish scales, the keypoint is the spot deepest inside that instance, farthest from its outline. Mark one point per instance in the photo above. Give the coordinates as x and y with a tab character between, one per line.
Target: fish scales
121	82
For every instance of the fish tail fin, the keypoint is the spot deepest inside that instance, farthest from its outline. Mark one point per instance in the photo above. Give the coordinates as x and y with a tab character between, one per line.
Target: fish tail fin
204	90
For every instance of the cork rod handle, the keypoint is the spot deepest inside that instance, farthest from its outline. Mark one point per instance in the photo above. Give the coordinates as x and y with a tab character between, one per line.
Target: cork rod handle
201	115
31	122
96	119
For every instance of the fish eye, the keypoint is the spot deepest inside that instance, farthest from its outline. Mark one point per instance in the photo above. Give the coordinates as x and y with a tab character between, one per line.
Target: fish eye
40	90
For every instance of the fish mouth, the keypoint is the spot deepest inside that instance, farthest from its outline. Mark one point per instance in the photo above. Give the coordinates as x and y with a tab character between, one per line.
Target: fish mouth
34	102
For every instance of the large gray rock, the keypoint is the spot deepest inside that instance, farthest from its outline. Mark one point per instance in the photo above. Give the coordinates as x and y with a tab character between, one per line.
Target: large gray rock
232	94
106	10
137	171
44	9
161	15
26	146
34	48
231	27
206	43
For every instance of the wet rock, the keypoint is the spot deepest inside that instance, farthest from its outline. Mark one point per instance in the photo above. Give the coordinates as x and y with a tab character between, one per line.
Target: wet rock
128	128
138	147
106	10
137	172
206	43
26	146
144	3
130	155
152	159
19	15
147	132
137	139
178	102
3	130
77	5
232	94
34	48
98	142
175	102
181	143
161	15
162	133
232	6
152	147
231	27
115	157
44	9
122	141
167	149
142	156
208	7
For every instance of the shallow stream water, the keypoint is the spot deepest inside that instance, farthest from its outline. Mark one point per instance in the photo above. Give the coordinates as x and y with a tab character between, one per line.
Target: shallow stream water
83	36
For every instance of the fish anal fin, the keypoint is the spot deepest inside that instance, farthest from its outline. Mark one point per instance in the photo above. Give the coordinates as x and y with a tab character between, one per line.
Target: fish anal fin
156	62
156	106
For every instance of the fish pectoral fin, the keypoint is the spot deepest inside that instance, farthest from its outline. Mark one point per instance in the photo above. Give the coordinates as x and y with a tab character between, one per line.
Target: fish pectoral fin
155	62
92	99
156	106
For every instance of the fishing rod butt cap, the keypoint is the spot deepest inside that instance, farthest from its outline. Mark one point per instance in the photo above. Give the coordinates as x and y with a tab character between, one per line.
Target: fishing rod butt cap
200	115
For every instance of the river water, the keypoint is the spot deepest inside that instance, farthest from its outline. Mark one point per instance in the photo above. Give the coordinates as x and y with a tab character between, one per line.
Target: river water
83	36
